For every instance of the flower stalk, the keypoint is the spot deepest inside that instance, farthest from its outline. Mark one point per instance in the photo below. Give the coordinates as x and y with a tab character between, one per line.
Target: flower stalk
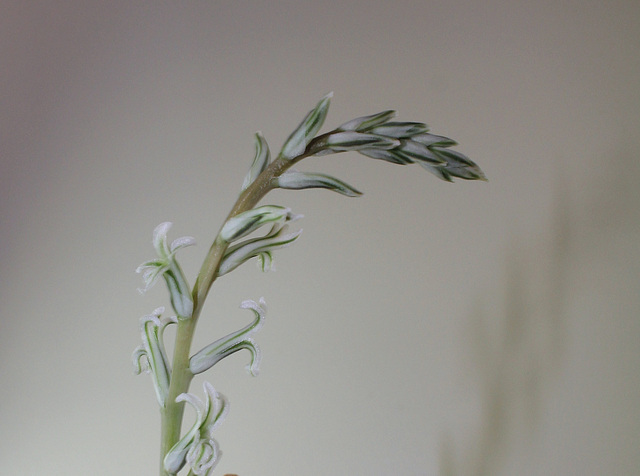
238	241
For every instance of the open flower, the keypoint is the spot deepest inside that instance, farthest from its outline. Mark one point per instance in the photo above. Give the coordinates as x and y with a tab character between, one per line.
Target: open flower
210	355
151	356
261	247
198	448
167	266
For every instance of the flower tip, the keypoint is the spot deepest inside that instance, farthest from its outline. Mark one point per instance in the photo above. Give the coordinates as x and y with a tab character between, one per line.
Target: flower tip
158	311
253	370
182	242
163	227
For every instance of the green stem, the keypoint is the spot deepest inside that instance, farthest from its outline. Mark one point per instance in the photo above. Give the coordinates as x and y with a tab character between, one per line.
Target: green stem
247	200
171	416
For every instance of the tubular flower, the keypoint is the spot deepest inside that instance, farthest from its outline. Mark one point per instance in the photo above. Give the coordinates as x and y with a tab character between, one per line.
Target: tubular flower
197	448
239	340
167	266
151	357
261	247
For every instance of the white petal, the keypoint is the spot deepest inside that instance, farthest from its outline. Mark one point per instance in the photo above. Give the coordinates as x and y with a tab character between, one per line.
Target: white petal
182	242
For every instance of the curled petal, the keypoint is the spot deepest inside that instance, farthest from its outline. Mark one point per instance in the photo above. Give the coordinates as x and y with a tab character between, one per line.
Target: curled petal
258	247
215	412
151	357
203	456
174	460
265	261
140	361
210	355
167	266
181	242
203	363
160	239
151	271
207	418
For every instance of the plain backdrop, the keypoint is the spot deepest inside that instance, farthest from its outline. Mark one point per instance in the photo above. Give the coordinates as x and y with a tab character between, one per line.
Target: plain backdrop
426	328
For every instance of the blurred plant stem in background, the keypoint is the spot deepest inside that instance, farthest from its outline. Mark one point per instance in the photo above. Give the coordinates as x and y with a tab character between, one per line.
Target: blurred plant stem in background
516	349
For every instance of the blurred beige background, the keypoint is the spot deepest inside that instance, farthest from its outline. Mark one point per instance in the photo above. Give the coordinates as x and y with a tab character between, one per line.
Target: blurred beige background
426	328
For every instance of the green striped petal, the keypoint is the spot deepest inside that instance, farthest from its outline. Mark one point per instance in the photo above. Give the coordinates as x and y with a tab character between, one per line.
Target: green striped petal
210	355
367	122
297	142
258	247
260	161
350	140
189	449
247	222
167	266
434	140
417	152
293	180
151	356
458	165
399	130
393	156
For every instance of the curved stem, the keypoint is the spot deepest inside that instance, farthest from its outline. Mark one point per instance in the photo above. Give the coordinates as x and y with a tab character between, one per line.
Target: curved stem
172	414
247	200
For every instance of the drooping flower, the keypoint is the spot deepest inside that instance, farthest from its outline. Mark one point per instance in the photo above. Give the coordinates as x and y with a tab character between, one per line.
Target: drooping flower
151	357
167	266
261	247
197	448
206	358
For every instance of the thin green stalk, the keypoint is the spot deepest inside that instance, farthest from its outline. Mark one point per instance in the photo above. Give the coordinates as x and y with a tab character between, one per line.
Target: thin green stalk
181	376
172	414
247	200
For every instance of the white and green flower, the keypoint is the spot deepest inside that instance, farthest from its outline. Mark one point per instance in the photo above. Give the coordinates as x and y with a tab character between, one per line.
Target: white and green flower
294	180
296	143
151	357
167	266
261	247
239	340
260	161
247	222
197	448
